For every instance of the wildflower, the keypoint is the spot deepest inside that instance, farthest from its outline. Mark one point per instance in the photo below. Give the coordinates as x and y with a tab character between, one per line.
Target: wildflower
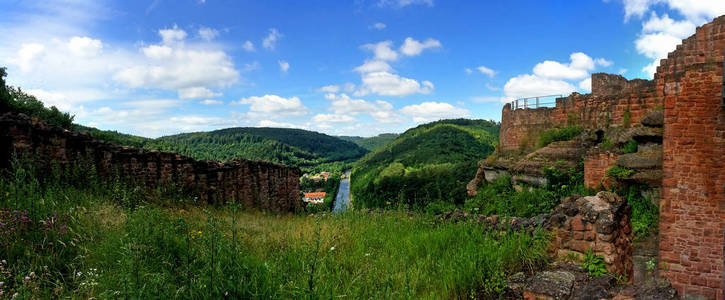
332	248
4	262
2	283
387	202
367	254
27	278
15	296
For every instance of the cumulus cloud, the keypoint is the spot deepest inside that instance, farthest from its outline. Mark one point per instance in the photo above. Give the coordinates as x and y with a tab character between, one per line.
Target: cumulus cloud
283	66
378	26
433	111
84	46
211	102
374	66
176	67
661	35
381	111
270	42
527	85
411	47
274	105
579	66
586	85
329	89
382	50
270	123
197	93
248	46
388	84
332	118
207	33
172	35
486	71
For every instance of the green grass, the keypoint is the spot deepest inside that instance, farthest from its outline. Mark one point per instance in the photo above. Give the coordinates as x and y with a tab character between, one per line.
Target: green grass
629	147
618	172
121	243
559	134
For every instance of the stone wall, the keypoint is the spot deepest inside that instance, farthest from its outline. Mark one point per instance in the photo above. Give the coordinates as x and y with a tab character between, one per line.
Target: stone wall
692	213
520	128
256	184
596	165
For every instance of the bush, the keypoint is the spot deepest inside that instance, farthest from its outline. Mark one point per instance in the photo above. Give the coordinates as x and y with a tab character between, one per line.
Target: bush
594	264
559	134
629	147
645	215
618	172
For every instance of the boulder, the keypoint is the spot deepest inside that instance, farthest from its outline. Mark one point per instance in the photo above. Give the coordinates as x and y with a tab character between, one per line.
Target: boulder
641	160
621	136
550	284
654	119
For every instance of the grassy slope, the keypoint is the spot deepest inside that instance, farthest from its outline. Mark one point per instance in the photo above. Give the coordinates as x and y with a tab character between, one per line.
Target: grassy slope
371	143
103	246
429	163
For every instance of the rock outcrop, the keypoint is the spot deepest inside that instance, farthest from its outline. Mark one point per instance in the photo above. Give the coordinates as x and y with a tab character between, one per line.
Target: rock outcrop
254	183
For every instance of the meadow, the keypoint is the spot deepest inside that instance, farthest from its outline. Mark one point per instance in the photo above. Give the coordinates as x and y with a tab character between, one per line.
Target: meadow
71	234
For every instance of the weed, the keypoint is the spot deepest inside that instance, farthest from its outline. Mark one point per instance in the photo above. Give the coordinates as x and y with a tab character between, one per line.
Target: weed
618	172
629	147
594	264
559	134
626	118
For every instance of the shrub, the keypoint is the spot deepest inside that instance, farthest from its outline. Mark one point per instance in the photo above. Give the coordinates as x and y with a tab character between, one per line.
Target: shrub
559	134
629	147
645	215
626	118
607	144
594	264
618	172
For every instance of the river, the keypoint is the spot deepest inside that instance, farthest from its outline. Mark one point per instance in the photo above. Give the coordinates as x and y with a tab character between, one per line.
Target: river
343	194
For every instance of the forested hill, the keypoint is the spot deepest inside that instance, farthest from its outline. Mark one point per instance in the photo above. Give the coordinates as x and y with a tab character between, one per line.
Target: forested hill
373	142
427	164
293	147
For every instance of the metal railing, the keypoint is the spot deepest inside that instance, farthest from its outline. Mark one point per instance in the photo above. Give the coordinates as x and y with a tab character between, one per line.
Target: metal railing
533	102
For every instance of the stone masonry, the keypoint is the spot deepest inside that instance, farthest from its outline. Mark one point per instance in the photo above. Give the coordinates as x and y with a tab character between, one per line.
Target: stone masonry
254	183
678	121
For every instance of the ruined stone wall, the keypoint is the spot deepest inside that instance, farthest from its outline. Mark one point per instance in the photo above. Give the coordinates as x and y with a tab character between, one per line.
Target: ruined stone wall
692	213
602	108
596	165
256	184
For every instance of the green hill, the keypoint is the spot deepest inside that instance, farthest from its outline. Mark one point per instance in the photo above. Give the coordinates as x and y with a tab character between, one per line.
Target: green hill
373	142
428	164
293	147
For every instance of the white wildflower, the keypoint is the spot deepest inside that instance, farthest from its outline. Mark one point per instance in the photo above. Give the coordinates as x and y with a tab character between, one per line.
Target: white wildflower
332	248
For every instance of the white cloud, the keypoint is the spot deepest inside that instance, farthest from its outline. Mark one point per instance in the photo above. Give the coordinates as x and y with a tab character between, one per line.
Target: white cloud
27	55
84	46
283	66
197	93
248	46
411	47
468	71
532	85
603	62
207	33
404	3
270	42
660	35
586	85
274	105
388	84
329	89
578	67
382	51
492	88
270	123
374	66
332	118
381	111
211	102
172	35
176	67
622	71
378	26
433	111
486	71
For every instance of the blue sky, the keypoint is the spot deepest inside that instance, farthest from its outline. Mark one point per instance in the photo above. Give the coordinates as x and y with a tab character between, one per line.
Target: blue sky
359	67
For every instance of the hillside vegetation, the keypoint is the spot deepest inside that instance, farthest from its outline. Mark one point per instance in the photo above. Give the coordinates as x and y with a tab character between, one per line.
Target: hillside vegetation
292	147
373	142
425	166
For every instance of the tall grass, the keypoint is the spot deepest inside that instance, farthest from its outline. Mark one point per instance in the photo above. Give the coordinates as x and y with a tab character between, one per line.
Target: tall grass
114	240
